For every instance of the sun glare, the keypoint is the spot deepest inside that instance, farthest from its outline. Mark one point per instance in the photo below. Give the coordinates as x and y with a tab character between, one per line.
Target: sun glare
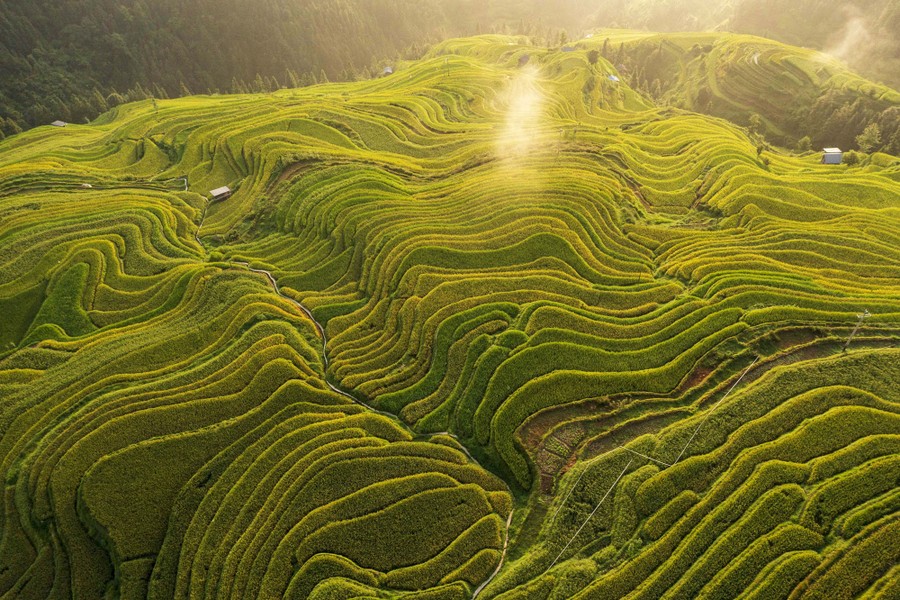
523	104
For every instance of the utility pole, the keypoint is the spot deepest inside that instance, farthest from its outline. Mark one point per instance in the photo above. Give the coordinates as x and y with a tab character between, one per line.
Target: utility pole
862	317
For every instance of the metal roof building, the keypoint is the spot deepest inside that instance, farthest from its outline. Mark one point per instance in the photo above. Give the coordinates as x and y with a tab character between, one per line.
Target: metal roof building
832	156
220	193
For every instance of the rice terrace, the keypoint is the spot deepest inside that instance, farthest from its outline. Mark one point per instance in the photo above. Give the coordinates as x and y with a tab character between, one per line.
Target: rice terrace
584	319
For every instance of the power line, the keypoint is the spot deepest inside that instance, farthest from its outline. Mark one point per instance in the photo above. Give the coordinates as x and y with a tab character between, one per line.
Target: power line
650	458
862	317
683	450
596	508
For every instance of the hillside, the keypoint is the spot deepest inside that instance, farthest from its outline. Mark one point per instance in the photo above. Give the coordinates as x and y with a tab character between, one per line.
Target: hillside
496	325
795	93
74	59
860	32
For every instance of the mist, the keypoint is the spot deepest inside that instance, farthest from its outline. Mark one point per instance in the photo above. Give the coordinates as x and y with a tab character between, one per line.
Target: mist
854	39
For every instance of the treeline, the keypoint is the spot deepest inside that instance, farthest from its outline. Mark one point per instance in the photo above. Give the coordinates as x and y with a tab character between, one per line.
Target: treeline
70	59
82	106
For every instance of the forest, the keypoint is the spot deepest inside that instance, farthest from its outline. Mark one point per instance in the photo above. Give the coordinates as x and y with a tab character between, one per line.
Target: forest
73	60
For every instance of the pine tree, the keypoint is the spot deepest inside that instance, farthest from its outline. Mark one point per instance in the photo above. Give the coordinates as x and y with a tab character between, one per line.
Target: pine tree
238	86
98	102
292	79
259	85
139	93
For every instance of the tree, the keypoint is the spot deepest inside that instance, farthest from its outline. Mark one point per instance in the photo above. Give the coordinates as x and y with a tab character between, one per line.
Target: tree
9	126
851	158
870	139
115	99
593	56
98	101
259	85
756	123
293	79
894	146
804	144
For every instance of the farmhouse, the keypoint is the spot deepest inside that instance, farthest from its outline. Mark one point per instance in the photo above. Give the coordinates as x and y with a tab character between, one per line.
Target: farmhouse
387	71
59	123
220	193
832	156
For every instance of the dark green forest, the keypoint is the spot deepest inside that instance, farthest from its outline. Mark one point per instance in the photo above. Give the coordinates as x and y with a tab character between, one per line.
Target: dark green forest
74	59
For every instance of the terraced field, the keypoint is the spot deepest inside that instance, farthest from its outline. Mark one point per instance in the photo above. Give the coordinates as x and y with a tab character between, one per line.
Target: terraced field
794	92
495	325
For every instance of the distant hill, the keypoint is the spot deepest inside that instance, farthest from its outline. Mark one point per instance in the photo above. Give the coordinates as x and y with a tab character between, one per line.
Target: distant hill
74	59
861	32
63	59
783	92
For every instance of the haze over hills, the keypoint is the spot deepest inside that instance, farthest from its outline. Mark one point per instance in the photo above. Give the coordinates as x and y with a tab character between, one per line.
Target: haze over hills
73	60
783	93
497	325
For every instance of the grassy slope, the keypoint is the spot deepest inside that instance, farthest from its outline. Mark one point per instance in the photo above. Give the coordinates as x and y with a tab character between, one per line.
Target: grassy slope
737	76
501	242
